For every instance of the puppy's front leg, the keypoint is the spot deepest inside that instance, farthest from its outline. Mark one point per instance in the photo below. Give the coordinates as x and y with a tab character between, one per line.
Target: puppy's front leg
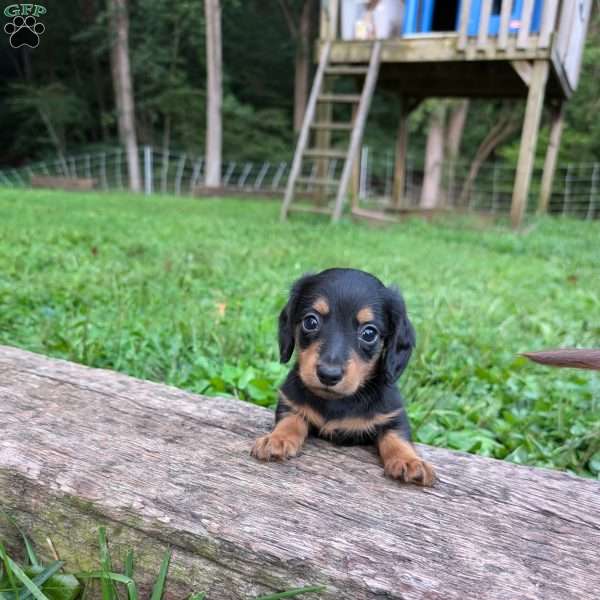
400	460
284	441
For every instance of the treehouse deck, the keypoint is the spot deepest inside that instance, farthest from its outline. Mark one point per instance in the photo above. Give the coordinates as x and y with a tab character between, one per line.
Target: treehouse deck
433	65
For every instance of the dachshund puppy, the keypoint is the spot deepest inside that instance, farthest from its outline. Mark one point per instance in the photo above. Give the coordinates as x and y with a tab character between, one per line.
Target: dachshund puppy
353	341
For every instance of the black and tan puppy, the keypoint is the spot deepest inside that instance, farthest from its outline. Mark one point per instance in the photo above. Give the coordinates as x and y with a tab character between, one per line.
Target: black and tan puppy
354	341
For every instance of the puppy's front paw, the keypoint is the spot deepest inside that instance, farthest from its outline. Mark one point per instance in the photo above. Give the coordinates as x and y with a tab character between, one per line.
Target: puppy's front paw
274	447
415	470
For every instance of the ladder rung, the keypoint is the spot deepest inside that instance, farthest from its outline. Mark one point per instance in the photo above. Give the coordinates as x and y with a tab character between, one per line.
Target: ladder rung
333	126
306	208
317	181
341	98
346	71
325	153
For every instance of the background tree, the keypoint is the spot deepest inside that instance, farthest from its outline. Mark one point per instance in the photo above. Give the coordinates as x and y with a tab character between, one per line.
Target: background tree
123	87
168	61
299	18
434	155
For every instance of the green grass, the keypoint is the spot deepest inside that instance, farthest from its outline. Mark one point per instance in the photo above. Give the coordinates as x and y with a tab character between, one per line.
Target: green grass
33	579
188	291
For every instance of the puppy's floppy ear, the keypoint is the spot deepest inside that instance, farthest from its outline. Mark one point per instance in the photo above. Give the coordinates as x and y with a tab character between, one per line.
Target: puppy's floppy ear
401	338
286	320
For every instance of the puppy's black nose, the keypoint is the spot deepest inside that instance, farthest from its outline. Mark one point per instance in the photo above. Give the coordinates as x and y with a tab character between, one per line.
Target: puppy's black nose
329	374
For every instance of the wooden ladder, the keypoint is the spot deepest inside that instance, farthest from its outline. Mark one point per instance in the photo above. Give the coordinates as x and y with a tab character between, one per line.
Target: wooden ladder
355	128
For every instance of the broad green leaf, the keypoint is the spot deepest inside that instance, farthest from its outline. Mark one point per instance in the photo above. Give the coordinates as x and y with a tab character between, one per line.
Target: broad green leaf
594	463
22	577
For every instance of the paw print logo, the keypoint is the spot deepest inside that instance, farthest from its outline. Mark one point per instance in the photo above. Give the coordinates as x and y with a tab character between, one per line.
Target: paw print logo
24	31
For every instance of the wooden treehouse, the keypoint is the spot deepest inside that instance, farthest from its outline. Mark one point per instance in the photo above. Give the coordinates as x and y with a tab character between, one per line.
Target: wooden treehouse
529	49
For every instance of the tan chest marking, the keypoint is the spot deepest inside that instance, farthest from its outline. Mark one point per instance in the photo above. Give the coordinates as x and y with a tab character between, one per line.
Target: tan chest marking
345	425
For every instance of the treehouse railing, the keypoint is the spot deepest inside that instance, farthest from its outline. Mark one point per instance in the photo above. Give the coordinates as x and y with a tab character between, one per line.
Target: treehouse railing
525	38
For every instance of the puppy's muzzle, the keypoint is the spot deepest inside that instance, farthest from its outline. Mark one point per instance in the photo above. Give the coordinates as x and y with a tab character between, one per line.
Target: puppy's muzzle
329	375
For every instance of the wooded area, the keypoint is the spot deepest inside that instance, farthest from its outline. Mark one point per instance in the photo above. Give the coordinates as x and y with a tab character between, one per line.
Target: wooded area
60	97
83	447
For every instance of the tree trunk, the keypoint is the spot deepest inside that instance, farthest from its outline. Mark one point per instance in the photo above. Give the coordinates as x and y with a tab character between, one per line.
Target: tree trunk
302	64
498	134
454	134
214	93
400	155
434	157
456	127
123	86
164	468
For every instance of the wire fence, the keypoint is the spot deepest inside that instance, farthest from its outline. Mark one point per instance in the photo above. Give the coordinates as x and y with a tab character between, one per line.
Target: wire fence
576	190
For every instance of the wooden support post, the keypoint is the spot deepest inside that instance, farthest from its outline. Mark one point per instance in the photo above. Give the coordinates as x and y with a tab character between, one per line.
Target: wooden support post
400	157
556	127
529	136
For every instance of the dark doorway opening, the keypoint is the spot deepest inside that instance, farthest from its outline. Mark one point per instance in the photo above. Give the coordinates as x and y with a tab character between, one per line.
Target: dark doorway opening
445	15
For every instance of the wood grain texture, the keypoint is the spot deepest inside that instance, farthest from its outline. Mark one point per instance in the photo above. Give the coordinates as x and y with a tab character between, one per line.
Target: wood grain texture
161	467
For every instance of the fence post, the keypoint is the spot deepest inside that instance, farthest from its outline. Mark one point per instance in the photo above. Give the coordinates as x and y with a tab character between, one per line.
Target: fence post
179	175
593	193
262	174
88	166
229	173
164	174
495	189
387	190
148	170
278	175
118	170
313	174
409	183
567	190
244	175
195	175
103	170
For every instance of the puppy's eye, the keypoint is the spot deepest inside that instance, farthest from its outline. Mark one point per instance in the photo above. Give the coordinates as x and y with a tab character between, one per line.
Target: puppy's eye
311	323
369	334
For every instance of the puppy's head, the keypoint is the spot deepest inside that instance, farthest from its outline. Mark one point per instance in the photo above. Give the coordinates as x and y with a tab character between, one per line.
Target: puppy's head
348	328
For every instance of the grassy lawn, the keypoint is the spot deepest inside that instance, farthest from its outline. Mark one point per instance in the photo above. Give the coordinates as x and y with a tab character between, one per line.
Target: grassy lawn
188	292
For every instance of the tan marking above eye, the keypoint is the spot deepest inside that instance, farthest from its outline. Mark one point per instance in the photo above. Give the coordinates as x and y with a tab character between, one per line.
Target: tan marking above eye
364	315
321	306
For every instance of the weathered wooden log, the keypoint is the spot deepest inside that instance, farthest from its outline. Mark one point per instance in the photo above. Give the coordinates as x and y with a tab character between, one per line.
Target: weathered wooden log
160	467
